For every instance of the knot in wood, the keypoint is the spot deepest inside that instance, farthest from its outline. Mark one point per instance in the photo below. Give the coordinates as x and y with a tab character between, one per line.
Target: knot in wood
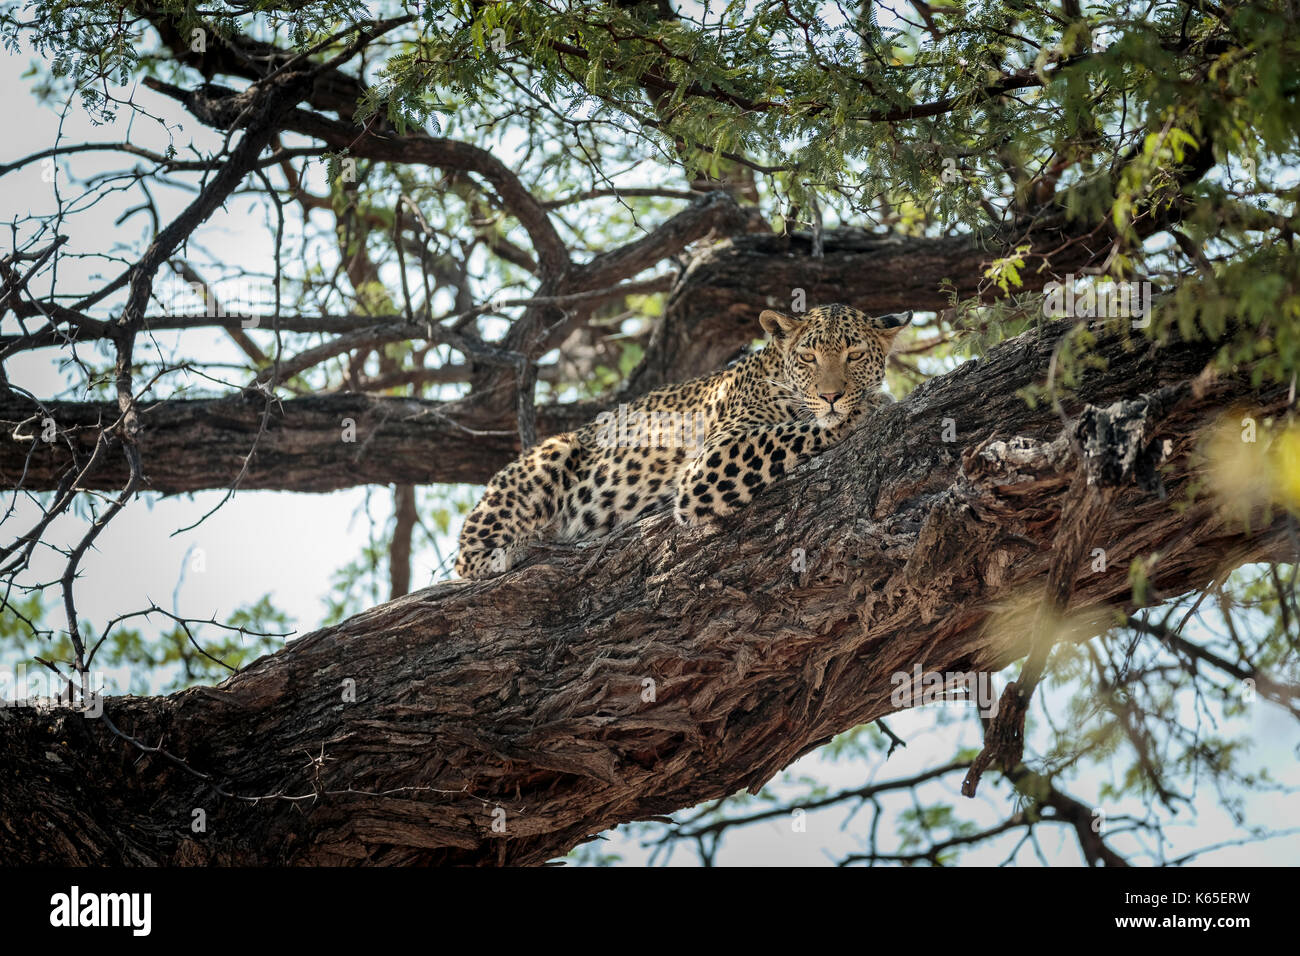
1114	442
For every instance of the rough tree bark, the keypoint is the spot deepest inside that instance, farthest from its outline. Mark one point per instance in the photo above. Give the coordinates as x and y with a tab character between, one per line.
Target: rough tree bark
523	700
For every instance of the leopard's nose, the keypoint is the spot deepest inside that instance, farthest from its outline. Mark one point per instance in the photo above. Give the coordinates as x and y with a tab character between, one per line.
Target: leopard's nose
830	397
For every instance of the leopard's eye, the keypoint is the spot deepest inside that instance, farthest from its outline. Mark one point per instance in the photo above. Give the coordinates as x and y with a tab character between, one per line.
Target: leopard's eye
855	356
808	357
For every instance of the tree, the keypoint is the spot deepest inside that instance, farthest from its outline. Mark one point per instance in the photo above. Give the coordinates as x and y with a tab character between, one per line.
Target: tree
469	195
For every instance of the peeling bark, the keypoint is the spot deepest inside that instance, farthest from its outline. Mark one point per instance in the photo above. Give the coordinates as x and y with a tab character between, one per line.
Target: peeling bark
523	699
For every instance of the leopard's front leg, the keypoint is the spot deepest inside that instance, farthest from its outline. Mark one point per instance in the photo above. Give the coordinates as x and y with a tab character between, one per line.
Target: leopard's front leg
740	460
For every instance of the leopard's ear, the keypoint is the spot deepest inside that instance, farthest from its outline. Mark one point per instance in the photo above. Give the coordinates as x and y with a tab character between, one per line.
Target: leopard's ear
890	325
779	325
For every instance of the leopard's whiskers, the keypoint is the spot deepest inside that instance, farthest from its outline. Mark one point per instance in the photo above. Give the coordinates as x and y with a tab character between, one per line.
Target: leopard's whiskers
789	388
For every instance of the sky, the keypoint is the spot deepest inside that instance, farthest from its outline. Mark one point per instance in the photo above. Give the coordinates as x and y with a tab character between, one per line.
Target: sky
289	545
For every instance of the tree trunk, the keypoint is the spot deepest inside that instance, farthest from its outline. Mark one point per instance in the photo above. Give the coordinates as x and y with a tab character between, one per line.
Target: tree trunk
508	720
405	518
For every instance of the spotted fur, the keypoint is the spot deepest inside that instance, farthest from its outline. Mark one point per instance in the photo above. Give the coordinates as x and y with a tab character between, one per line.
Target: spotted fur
704	447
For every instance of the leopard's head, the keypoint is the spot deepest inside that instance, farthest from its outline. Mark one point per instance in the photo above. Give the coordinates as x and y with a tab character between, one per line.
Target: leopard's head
833	356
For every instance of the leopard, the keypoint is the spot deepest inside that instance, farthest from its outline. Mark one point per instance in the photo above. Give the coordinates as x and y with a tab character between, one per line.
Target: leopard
704	447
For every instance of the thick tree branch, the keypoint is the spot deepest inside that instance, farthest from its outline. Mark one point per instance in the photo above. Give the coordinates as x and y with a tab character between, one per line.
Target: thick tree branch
317	443
637	676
